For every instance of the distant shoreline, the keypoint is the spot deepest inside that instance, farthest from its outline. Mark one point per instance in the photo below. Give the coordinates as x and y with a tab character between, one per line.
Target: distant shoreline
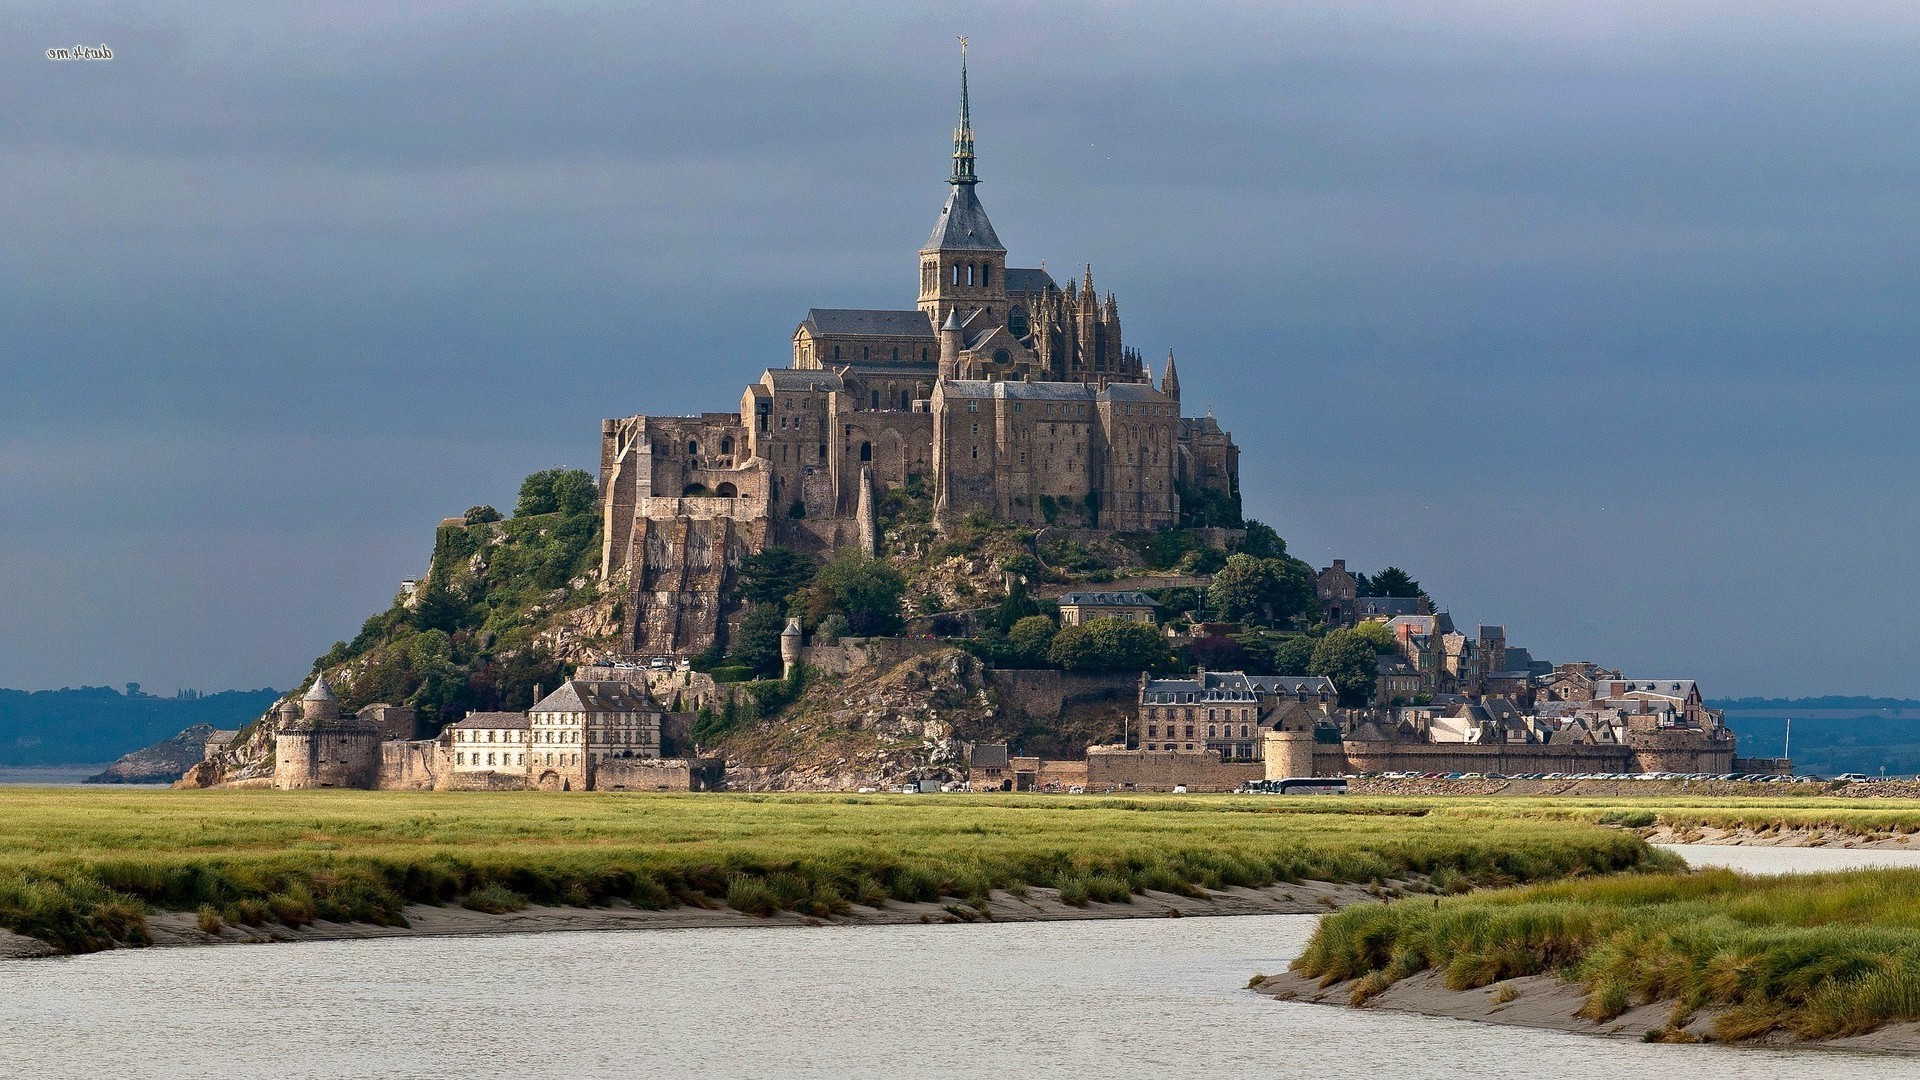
48	775
179	929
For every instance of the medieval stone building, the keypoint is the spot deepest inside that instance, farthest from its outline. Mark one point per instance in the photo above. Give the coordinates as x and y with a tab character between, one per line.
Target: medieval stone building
1001	391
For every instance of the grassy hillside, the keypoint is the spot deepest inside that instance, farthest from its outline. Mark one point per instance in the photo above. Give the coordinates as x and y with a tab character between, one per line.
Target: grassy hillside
93	724
81	869
505	605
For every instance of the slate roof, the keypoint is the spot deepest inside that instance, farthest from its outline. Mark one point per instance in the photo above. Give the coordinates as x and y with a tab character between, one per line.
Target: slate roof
989	756
320	691
1025	280
1675	688
500	720
581	695
804	379
1236	685
868	322
1108	599
963	225
1133	392
1386	605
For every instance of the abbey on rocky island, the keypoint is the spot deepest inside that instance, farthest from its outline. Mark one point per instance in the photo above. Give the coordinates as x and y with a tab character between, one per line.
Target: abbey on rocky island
1001	391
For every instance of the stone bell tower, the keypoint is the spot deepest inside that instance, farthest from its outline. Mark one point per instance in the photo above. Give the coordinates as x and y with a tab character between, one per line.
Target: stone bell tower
963	266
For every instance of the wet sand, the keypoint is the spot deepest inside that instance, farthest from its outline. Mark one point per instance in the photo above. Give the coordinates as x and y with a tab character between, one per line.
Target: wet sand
1546	1001
1039	905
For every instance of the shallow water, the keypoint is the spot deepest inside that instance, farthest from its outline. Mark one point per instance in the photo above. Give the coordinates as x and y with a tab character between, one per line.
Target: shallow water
1135	998
1789	860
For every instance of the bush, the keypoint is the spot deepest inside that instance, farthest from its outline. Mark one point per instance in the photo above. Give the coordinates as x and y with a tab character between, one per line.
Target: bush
481	515
1109	645
494	900
860	588
564	491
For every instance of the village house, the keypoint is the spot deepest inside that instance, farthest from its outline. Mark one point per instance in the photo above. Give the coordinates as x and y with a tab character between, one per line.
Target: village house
582	724
490	742
1227	712
1080	608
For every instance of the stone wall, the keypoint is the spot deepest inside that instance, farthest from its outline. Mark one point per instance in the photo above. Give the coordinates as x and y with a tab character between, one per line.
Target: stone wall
1043	693
852	654
660	774
1110	769
413	765
1484	758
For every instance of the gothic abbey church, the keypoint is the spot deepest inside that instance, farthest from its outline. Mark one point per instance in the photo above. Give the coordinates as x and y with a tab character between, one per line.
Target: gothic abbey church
1002	392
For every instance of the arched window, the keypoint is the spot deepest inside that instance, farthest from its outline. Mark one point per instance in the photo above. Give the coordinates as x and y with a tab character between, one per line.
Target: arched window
873	397
986	274
923	356
970	270
693	448
906	401
956	273
726	444
1017	321
896	354
836	352
728	491
866	451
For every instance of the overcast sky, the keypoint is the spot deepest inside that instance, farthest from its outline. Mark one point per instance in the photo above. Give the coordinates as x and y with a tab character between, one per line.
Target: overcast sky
1598	318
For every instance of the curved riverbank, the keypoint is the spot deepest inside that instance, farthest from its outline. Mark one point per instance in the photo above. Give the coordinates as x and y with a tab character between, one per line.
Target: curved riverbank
1782	956
1037	905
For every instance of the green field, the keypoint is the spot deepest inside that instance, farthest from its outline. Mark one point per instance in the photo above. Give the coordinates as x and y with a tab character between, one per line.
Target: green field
1817	955
81	868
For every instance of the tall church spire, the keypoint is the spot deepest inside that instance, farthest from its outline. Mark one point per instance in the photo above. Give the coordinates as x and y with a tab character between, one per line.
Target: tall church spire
963	131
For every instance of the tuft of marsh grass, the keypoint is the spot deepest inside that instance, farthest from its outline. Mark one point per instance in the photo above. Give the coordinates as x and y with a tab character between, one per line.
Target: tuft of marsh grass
1816	955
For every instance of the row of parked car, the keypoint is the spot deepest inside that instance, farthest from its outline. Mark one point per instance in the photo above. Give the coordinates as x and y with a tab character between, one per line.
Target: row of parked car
1766	778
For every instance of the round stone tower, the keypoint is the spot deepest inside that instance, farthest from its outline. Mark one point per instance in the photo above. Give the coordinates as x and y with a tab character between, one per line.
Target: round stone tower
789	648
316	746
1289	754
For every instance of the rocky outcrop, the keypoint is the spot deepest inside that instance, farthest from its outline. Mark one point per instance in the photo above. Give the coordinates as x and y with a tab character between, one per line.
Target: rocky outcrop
884	726
161	763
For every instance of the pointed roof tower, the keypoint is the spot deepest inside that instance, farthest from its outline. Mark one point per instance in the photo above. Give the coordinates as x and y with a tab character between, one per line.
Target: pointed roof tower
1170	382
963	224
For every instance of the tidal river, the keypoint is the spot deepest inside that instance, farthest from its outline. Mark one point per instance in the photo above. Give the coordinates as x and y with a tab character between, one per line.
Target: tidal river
1136	998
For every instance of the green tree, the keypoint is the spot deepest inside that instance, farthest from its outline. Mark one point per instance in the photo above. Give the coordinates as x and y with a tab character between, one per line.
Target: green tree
1242	586
480	515
440	608
1262	542
831	629
1349	661
1030	638
1393	581
860	587
1378	634
1016	606
1248	587
549	491
757	644
1293	656
775	575
1108	645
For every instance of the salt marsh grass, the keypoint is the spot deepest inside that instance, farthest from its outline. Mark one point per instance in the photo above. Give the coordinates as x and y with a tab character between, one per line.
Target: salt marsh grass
81	869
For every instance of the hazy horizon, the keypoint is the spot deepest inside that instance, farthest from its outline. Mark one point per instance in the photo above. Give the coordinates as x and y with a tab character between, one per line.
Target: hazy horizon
1597	318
